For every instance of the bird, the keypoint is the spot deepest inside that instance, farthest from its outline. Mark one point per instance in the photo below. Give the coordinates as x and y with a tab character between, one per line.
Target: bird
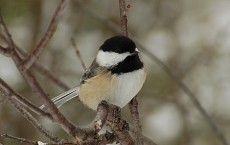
116	76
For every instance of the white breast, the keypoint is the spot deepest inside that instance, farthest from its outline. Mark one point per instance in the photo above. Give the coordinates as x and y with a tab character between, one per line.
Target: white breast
128	85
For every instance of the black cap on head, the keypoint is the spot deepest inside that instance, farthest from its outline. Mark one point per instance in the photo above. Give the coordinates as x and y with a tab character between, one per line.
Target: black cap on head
118	44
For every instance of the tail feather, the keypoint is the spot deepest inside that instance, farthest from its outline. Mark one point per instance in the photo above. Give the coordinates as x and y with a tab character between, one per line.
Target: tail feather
64	97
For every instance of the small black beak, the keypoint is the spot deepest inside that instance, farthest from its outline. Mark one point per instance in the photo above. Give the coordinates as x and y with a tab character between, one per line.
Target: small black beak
135	52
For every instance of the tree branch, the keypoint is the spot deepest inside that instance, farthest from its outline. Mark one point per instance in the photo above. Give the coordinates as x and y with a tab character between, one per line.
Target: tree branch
7	93
123	18
46	37
50	76
133	107
119	126
30	142
21	140
41	69
101	117
78	53
9	37
5	89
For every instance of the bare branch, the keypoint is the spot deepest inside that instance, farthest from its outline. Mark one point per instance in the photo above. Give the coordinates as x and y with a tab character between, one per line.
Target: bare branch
133	107
46	37
21	140
119	126
8	36
91	132
25	113
50	76
78	53
69	127
5	89
123	18
41	69
101	116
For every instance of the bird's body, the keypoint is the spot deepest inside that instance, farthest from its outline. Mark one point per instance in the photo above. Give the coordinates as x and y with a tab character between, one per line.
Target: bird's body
116	75
113	88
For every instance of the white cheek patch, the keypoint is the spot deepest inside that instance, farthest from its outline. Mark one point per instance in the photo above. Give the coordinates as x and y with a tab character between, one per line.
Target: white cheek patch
108	59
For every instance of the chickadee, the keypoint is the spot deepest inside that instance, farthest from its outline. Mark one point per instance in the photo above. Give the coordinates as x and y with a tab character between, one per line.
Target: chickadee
116	75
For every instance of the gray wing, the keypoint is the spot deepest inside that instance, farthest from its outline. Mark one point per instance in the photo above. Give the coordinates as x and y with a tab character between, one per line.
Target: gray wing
72	93
90	72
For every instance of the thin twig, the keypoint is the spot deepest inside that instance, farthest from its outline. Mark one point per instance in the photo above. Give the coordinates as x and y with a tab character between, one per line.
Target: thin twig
9	40
47	36
165	68
78	53
21	140
56	114
123	18
133	107
41	69
27	115
9	92
50	76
